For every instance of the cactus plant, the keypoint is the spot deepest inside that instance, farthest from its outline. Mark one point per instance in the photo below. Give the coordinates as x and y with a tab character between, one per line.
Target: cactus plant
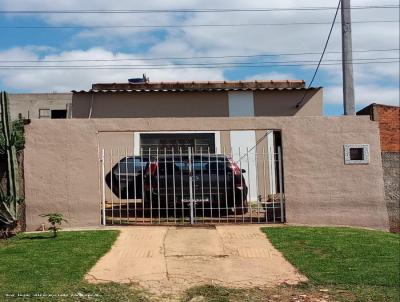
10	201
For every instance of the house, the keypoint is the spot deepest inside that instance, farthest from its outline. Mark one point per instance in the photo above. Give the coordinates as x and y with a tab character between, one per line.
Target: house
298	166
197	99
40	105
388	118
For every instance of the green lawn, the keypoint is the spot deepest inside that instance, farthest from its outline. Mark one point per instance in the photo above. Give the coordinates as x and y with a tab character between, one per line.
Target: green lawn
345	264
362	261
342	264
32	264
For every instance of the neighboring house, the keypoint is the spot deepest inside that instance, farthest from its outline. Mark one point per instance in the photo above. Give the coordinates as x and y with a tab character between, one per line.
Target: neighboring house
197	99
40	105
388	118
330	167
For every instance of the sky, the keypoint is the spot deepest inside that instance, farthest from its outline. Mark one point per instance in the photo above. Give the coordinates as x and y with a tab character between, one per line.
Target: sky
131	51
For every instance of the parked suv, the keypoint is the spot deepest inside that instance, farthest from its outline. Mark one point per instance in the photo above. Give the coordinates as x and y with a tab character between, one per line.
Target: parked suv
125	178
217	182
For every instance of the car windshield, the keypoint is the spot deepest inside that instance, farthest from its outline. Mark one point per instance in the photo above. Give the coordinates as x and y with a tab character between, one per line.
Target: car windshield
199	165
130	165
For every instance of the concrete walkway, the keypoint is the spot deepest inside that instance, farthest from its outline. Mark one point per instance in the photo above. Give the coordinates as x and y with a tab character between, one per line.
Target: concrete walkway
168	260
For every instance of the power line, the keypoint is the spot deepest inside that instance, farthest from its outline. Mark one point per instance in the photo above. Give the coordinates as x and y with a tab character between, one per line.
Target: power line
210	10
326	44
322	55
186	25
194	58
186	66
208	64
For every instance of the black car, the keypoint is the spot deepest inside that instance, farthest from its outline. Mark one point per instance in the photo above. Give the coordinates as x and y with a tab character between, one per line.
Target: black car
125	178
217	183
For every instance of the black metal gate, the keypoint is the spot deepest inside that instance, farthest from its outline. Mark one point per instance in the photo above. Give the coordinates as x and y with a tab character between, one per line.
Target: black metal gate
191	186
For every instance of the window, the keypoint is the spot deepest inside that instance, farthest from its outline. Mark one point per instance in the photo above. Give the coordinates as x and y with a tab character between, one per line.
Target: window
44	113
58	114
200	142
356	154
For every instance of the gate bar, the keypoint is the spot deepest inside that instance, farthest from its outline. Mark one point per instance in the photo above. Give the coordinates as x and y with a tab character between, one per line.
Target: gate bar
190	186
280	181
103	193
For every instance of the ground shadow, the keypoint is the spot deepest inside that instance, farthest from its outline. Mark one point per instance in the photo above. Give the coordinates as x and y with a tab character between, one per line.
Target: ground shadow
37	237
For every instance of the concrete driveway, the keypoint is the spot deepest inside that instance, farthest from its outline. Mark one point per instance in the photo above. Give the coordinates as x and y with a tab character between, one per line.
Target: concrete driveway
169	260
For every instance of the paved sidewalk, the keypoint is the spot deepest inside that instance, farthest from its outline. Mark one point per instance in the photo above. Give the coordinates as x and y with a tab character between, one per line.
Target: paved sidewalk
169	260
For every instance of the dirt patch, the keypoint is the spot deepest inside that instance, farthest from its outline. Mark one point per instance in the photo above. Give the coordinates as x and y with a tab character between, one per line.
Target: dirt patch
170	260
271	294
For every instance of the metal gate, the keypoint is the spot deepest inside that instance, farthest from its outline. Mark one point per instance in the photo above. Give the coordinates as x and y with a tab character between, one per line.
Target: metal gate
189	186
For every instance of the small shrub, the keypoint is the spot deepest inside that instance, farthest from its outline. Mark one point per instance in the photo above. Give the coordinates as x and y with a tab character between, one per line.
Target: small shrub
55	219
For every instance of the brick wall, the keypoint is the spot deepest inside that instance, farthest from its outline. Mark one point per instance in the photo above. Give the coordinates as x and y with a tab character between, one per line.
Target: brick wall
389	126
388	118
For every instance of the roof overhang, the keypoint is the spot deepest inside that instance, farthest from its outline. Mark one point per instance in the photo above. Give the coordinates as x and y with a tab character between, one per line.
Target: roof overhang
198	86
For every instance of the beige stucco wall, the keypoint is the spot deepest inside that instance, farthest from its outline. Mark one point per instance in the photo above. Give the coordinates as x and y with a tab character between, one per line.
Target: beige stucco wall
62	167
192	104
117	140
61	171
150	104
28	104
283	102
225	140
262	164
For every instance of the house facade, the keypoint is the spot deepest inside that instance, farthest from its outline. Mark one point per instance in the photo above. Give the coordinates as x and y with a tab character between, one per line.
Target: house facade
224	99
197	99
40	105
324	170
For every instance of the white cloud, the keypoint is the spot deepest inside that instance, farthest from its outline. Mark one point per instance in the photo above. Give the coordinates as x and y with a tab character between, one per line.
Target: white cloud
365	95
65	80
272	76
212	41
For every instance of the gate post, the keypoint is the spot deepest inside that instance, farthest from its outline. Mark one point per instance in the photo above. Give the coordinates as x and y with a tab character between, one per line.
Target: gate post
190	186
103	190
281	183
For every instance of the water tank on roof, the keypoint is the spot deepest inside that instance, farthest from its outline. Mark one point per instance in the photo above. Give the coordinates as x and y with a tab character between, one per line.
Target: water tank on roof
141	80
136	80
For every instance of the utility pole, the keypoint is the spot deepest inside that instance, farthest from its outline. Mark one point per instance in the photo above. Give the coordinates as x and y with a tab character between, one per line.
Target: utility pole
347	60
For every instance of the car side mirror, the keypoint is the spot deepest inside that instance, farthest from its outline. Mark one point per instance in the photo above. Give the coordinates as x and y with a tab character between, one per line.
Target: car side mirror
243	171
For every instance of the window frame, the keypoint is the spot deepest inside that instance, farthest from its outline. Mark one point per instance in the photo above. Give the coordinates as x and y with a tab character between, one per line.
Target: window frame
137	142
44	116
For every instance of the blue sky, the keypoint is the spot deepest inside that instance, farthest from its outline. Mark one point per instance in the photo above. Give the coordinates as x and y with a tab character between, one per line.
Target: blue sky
374	82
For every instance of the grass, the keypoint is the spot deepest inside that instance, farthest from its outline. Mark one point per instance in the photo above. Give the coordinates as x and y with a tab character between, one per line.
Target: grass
342	264
367	263
35	265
